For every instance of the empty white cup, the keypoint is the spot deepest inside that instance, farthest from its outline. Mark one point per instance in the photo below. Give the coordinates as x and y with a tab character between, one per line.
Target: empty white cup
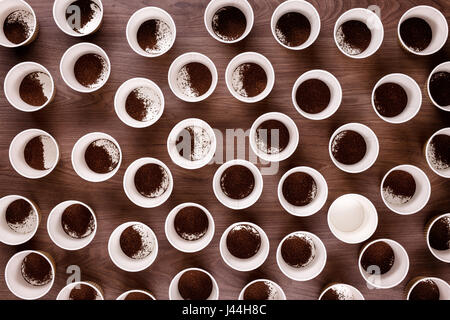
17	157
125	294
443	255
317	203
277	295
185	245
250	57
445	173
64	294
61	7
69	59
174	293
372	21
57	233
443	67
443	286
357	295
8	7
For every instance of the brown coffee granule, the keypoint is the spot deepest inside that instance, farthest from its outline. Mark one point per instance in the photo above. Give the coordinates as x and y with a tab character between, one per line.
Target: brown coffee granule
390	99
249	80
299	189
338	292
138	296
425	290
293	29
229	23
20	216
399	187
193	143
258	291
195	285
439	88
416	33
378	258
90	70
194	79
272	137
349	147
143	104
154	36
102	156
31	89
36	270
439	151
439	236
237	182
313	96
151	180
243	241
89	11
77	221
191	223
135	242
298	250
354	37
83	292
34	153
18	26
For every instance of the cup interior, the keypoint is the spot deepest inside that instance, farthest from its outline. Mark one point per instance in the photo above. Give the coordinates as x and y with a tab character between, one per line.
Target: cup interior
443	255
9	6
125	294
357	295
280	293
174	293
443	67
61	7
445	173
64	294
443	286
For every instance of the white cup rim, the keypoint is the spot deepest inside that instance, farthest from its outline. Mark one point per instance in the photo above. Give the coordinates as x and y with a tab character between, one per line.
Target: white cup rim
174	283
445	131
276	285
435	70
12	45
354	290
73	284
126	293
433	251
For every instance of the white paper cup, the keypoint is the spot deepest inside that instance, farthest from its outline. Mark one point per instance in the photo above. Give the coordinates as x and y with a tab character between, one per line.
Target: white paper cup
242	203
57	233
443	255
413	92
121	97
335	93
306	9
141	16
185	245
280	292
251	263
368	225
69	59
373	148
172	144
174	293
130	188
443	286
437	22
443	67
14	79
79	162
421	196
9	6
250	57
310	271
215	5
59	15
445	173
64	294
18	285
317	203
357	295
7	235
17	157
293	137
120	259
394	276
374	24
125	294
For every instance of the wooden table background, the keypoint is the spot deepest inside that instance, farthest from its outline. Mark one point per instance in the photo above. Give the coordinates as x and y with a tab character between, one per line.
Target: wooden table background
72	115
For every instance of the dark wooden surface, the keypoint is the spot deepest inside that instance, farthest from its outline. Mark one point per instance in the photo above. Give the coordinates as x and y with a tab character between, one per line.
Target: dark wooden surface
72	115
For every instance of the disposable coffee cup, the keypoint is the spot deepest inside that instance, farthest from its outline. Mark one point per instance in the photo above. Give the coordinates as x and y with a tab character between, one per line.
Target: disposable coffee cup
251	263
7	235
372	21
443	255
310	271
121	97
121	260
250	57
421	196
17	157
394	276
445	173
141	16
242	203
443	286
443	67
215	5
304	8
316	204
174	293
277	295
18	285
69	59
413	92
335	93
64	294
78	158
439	27
340	212
185	245
293	137
57	233
357	295
130	187
62	8
125	294
373	148
8	7
172	145
14	79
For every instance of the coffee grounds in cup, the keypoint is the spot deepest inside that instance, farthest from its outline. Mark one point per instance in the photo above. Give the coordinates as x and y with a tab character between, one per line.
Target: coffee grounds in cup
237	182
136	296
439	151
378	258
229	23
102	156
83	291
390	99
439	236
21	217
18	26
416	33
195	285
36	88
89	16
298	250
143	104
348	147
425	290
136	242
293	29
353	37
36	270
151	180
299	189
338	292
259	291
272	137
154	36
194	79
90	70
77	221
193	143
249	80
439	84
313	96
243	241
399	187
191	223
40	153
